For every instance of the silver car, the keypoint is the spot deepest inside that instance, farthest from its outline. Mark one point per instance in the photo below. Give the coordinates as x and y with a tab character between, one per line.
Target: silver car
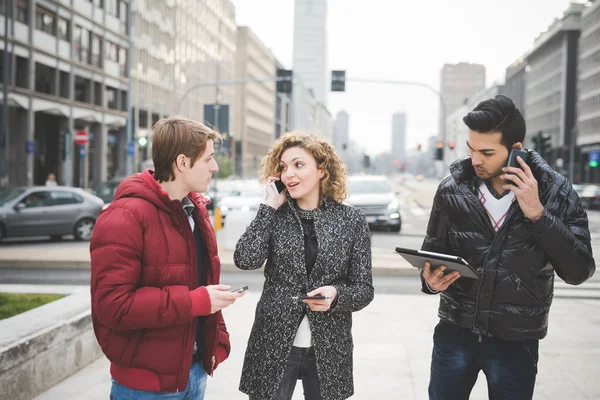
48	211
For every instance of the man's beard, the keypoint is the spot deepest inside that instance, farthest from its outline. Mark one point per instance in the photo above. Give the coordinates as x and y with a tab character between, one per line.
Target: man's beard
491	175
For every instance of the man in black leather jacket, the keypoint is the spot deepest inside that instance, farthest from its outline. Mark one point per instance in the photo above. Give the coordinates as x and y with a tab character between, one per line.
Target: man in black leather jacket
516	236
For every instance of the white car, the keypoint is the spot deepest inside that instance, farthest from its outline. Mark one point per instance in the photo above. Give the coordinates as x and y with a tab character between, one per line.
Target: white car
246	199
375	196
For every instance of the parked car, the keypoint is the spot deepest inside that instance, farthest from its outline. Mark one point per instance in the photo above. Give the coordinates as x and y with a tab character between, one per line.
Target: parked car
48	211
590	196
246	198
375	196
106	190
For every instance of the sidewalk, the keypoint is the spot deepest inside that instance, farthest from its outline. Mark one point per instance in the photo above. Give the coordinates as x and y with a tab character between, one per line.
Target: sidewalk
76	255
393	339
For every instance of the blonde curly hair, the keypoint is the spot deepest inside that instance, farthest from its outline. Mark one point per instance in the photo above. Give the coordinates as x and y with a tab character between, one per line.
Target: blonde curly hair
333	182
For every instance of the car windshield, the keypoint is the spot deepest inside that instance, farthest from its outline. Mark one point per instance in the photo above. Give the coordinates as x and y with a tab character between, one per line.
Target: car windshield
8	195
106	191
369	187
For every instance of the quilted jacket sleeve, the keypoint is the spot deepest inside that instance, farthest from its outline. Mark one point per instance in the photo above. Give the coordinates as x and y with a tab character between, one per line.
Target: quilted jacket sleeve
117	301
252	249
567	241
436	239
358	292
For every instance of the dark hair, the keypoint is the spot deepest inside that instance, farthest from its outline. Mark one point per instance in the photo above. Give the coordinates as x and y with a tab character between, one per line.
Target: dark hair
174	136
499	114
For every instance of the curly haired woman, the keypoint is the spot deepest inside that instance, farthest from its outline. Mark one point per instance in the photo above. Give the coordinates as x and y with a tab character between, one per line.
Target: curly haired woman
313	245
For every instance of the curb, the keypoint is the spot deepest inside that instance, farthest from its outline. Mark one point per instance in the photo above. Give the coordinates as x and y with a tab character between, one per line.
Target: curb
225	267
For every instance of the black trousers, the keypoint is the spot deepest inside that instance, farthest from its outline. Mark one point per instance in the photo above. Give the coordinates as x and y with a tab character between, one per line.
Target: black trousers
301	364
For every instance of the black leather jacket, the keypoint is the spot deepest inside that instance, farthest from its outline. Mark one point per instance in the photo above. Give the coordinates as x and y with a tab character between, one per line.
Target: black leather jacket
516	265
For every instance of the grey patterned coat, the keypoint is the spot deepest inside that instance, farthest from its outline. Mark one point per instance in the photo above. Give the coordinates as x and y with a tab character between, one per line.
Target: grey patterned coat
343	261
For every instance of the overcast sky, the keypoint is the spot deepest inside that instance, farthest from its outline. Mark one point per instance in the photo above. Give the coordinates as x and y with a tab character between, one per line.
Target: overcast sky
405	40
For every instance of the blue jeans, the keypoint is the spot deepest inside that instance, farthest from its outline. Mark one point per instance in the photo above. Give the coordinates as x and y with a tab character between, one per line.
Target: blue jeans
193	391
510	366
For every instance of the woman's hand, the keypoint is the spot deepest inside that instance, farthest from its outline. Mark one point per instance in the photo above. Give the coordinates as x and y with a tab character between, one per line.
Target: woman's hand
274	199
329	292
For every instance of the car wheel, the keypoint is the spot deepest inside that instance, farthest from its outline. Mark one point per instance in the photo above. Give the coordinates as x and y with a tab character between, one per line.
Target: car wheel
83	229
395	228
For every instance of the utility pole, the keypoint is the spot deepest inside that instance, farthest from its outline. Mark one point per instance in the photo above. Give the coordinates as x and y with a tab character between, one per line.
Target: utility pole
5	77
216	127
572	141
129	130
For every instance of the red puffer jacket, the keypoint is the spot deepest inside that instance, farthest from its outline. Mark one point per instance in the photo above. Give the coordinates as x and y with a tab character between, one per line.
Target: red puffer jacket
144	273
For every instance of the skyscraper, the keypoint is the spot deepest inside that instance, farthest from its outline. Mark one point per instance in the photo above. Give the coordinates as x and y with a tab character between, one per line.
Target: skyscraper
399	137
457	84
310	46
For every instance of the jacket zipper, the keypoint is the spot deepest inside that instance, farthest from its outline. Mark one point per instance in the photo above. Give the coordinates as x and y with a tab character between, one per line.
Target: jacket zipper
521	286
512	211
190	276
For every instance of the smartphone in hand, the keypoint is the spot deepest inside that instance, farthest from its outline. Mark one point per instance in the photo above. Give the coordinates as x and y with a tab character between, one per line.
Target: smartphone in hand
239	290
512	161
278	186
316	297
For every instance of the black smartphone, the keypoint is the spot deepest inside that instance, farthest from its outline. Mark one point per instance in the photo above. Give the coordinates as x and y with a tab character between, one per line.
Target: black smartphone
317	297
512	161
239	290
278	185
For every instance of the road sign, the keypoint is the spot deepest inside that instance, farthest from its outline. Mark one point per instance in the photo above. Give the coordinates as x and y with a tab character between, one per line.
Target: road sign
82	150
130	148
81	137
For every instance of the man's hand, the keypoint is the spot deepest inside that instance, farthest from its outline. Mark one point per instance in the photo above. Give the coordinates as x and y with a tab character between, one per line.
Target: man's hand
322	305
437	280
526	189
221	297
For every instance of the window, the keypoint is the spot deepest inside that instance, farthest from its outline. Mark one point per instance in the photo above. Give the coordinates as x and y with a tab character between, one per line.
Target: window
97	3
112	51
45	20
96	59
123	61
111	7
82	44
37	199
123	11
22	10
63	29
60	198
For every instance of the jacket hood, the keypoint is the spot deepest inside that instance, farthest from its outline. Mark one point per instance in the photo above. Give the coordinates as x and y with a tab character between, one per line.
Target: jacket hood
462	169
144	186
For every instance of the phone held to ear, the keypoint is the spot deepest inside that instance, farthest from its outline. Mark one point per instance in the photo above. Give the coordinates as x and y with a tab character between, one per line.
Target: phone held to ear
278	186
512	161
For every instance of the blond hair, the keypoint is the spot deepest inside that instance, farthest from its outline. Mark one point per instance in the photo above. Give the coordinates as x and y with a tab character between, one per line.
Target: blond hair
333	182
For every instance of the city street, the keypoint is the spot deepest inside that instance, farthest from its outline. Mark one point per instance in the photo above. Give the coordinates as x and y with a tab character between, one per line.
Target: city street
405	336
415	199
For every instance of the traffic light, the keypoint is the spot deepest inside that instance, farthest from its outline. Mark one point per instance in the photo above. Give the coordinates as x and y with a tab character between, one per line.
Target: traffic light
451	145
439	151
542	144
142	141
338	81
366	162
593	158
284	81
